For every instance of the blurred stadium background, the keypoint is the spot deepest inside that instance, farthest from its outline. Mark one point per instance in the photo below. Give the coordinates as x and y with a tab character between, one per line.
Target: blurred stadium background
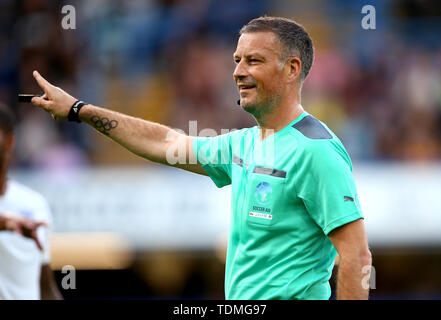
133	229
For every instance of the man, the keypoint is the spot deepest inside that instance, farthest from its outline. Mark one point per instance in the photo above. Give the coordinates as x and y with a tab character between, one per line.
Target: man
293	207
25	273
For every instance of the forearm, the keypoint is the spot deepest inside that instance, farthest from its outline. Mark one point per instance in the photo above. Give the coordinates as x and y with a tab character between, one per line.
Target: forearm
48	286
351	282
149	140
144	138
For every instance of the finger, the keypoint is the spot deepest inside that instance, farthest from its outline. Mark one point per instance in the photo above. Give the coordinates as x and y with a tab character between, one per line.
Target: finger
42	82
37	241
40	224
39	245
28	224
40	102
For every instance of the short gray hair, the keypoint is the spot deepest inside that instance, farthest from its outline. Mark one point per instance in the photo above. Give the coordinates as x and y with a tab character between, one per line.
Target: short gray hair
293	37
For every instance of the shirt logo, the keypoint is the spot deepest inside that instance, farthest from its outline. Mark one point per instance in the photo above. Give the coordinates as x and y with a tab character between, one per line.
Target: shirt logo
26	213
263	192
347	198
261	215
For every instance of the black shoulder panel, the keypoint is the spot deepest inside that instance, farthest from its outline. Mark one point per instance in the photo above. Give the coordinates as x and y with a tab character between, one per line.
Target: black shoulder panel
311	128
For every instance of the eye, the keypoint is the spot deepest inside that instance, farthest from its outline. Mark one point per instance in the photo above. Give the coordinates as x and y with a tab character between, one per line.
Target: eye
236	60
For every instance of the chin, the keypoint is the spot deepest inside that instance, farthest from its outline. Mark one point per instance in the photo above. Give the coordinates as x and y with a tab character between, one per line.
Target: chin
245	103
249	107
257	109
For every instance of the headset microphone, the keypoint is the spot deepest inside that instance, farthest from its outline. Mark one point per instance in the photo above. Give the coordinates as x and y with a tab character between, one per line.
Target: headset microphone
238	102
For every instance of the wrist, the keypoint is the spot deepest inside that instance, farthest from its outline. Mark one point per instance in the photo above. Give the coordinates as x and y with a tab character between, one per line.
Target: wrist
82	113
74	112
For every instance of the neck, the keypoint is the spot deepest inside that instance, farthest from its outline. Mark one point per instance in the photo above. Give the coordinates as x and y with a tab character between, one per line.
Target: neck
279	118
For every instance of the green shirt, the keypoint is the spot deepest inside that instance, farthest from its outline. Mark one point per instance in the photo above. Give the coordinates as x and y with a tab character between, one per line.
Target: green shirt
288	192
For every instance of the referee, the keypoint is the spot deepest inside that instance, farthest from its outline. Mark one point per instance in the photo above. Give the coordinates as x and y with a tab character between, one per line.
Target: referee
294	200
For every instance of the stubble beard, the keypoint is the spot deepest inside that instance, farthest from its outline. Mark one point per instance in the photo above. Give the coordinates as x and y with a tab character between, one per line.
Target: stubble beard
259	109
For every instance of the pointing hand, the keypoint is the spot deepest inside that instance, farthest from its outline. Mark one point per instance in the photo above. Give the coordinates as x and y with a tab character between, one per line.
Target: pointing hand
55	100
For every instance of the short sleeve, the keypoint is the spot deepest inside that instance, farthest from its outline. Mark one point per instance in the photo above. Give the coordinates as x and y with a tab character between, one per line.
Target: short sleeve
325	183
214	155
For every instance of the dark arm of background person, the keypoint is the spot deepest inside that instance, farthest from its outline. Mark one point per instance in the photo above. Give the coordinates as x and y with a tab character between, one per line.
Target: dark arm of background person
48	286
350	240
146	139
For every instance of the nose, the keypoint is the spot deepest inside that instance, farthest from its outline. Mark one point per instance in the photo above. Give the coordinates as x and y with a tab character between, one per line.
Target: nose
240	71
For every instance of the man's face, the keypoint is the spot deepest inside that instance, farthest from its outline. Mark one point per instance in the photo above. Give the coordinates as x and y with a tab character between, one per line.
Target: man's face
259	72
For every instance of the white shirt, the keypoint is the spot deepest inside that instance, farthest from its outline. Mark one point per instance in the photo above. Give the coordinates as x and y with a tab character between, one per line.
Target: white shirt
20	258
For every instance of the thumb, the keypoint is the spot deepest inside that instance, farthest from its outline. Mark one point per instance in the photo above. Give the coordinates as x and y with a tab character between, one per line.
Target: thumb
40	102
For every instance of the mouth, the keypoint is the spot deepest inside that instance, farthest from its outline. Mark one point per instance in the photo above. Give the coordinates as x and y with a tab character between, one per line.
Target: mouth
245	88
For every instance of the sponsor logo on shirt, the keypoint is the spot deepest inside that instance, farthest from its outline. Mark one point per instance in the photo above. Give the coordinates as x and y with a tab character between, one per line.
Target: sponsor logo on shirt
261	209
261	215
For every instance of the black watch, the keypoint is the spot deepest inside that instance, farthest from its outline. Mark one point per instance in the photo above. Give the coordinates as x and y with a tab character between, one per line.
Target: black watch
75	111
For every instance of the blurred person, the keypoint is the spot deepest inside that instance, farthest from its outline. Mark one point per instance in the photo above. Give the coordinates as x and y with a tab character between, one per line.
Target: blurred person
25	273
293	209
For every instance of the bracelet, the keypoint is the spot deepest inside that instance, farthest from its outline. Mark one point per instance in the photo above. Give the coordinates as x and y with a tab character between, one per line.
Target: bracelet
75	111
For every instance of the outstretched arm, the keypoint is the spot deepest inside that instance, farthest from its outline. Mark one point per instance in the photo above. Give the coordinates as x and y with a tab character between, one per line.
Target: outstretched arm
146	139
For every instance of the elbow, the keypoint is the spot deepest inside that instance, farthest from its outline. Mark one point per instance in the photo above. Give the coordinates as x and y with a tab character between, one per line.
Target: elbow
361	256
366	257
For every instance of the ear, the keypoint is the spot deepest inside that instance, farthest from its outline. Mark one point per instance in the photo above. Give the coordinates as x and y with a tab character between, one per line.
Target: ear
293	69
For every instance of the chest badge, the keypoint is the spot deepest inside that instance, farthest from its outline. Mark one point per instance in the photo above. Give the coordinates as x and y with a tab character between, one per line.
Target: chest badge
263	192
262	195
